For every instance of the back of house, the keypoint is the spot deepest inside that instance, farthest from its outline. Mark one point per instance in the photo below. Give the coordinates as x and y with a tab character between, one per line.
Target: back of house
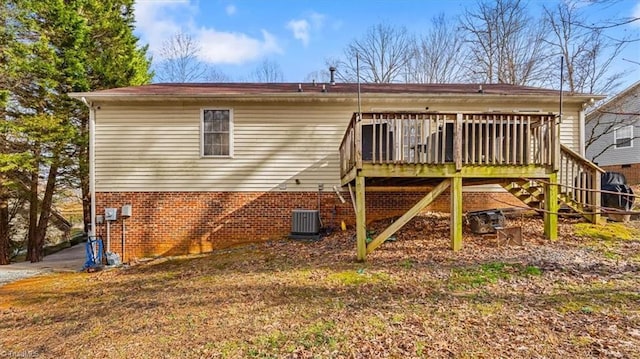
208	166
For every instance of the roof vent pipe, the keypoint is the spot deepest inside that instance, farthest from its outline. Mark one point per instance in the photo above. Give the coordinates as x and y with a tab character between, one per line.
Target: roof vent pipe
332	70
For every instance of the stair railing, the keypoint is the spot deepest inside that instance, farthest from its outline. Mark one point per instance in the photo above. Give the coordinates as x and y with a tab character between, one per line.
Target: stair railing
579	181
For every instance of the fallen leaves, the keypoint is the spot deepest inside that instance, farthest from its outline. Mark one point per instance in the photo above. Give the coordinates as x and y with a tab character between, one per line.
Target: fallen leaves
413	298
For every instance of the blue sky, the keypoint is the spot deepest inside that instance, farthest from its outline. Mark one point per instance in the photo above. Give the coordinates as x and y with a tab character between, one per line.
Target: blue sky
236	36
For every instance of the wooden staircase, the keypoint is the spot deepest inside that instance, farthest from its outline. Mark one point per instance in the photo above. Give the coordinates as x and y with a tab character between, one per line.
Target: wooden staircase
530	192
579	186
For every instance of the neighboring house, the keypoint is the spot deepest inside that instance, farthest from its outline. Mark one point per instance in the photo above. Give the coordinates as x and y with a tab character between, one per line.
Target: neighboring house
207	166
613	134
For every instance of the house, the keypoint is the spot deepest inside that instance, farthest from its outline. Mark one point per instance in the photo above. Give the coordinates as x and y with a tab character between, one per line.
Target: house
208	166
613	130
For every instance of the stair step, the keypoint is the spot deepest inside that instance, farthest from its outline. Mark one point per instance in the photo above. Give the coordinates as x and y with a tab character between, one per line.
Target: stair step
531	200
512	186
519	192
567	200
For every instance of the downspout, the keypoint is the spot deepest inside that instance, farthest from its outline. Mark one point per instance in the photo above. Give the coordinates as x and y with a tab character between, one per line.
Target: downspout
92	167
581	120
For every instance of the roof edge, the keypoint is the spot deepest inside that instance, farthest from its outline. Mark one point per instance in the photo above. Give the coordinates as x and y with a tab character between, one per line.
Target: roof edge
93	96
615	97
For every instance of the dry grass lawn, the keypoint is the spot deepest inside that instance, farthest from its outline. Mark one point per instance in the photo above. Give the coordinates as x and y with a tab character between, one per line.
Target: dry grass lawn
578	297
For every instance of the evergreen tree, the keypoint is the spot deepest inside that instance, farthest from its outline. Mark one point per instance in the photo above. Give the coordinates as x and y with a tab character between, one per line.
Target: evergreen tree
114	59
50	48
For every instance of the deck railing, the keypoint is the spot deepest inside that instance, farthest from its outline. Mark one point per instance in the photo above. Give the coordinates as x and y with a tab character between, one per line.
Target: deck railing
579	179
441	138
348	147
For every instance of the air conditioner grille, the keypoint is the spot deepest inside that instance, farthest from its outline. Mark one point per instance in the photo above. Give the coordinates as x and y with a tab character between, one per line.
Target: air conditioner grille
305	222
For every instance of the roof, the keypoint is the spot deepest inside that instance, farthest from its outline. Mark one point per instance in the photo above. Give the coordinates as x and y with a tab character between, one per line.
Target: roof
615	98
271	88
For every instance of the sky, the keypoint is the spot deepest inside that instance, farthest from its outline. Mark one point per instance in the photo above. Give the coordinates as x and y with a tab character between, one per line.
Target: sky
236	36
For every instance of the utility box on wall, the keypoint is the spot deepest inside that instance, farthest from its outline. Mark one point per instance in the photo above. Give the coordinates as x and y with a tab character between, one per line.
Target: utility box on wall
126	210
110	214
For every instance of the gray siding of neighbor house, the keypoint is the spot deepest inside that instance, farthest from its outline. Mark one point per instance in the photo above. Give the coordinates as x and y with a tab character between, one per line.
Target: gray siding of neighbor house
622	107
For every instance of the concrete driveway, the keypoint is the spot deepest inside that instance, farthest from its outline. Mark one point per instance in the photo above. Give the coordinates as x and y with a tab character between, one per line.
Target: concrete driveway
67	260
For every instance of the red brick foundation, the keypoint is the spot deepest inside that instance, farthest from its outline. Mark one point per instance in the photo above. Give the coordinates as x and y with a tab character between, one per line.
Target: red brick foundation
631	172
170	223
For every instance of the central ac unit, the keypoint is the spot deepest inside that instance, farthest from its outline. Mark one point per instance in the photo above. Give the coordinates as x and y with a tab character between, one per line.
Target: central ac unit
305	224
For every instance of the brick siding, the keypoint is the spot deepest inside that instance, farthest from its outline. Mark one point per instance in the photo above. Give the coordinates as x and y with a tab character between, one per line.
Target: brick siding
171	223
631	172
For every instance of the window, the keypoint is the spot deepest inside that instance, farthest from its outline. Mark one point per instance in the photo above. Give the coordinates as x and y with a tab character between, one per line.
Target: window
217	130
623	136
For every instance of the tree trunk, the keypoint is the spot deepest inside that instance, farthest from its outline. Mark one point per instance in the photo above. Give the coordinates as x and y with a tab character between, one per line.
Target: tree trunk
32	244
86	205
4	230
45	210
83	172
86	194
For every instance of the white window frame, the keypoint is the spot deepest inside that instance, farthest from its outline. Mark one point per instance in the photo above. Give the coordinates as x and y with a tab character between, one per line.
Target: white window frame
615	137
231	130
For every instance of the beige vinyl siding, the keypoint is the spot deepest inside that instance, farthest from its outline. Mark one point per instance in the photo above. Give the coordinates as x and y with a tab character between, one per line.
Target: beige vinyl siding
570	131
156	147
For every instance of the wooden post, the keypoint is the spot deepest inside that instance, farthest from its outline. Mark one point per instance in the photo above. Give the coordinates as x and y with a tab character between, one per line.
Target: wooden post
555	148
596	200
456	213
457	142
358	141
361	220
551	207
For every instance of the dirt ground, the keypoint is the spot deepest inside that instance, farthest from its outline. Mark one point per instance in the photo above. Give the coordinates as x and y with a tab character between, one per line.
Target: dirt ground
578	297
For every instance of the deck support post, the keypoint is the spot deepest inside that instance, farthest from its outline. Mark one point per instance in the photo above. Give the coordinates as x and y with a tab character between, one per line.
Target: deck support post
551	207
408	215
361	220
456	213
596	217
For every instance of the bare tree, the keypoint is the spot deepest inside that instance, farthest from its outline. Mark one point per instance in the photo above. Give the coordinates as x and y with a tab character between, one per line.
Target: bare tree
588	51
267	71
590	54
214	75
180	61
385	52
318	76
609	23
506	44
437	54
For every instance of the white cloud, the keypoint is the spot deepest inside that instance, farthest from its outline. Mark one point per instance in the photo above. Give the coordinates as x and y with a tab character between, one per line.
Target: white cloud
636	13
317	20
300	29
153	22
234	48
158	20
230	9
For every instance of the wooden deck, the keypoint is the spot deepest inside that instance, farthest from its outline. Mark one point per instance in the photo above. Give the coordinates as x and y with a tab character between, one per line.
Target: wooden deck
447	145
441	150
